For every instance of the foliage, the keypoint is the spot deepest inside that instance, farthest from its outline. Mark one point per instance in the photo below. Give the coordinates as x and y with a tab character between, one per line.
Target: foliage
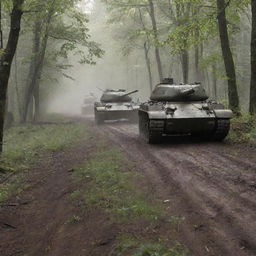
73	35
243	130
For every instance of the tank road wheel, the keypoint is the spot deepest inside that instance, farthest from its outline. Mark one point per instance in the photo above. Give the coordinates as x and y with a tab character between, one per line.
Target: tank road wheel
144	130
98	117
223	126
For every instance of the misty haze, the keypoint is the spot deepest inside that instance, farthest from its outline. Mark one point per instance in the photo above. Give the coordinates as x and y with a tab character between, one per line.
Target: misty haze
128	127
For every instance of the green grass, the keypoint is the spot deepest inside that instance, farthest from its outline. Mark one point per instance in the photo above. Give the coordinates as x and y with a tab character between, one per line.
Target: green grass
25	145
135	247
111	186
243	130
109	183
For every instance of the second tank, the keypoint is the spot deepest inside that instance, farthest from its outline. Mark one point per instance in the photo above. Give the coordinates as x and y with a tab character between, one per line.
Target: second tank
114	105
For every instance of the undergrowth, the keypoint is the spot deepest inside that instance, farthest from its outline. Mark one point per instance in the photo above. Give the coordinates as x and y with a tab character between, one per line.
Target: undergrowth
25	145
243	130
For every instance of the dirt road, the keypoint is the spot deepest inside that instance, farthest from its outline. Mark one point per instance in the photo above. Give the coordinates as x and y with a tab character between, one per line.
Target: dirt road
212	185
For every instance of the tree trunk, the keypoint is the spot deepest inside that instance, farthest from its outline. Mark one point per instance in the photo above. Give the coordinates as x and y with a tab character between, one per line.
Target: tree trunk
155	35
7	58
197	62
146	47
32	78
1	32
214	80
16	83
39	62
36	96
227	57
185	65
146	51
253	61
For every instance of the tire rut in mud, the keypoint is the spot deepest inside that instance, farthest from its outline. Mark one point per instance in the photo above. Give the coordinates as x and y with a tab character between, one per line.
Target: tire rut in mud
211	188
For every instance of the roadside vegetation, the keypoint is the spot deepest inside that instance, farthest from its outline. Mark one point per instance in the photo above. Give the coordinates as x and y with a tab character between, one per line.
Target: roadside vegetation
243	130
106	181
25	145
109	182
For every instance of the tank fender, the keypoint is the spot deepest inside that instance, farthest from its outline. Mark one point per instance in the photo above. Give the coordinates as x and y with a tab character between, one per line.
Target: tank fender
156	114
100	108
223	113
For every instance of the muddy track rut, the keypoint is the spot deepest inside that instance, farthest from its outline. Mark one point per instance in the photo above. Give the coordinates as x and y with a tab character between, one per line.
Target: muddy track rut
212	185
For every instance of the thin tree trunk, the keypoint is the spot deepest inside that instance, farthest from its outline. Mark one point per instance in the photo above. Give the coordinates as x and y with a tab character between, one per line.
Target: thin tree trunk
36	96
155	34
17	85
36	77
197	62
253	61
146	47
227	57
1	32
7	58
146	51
185	65
214	80
31	80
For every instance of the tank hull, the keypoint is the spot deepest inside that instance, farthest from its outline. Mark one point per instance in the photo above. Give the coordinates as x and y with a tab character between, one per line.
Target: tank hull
115	111
176	119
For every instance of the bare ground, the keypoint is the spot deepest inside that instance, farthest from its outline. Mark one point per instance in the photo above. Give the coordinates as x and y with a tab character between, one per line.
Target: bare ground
212	185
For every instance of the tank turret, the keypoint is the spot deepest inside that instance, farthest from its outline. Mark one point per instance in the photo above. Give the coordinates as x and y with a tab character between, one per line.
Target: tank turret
110	96
181	92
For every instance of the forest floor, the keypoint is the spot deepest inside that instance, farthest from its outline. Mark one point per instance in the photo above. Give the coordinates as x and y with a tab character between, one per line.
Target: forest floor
103	191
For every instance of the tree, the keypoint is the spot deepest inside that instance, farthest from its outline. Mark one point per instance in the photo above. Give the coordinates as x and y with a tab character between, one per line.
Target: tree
253	60
61	22
227	56
7	58
156	39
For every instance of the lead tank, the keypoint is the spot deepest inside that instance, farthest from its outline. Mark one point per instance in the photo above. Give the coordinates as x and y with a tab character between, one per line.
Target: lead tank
114	105
182	109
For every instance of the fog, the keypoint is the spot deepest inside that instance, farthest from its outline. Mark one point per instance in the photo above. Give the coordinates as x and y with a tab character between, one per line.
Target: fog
116	70
112	71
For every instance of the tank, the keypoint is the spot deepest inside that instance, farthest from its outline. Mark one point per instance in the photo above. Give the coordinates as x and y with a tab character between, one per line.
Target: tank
182	109
115	105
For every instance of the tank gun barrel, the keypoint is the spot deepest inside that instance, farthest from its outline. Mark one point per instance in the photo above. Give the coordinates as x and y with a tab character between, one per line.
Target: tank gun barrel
129	93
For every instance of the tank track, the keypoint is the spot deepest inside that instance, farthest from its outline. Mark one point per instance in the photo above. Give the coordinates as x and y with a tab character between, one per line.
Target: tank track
223	126
144	131
99	118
